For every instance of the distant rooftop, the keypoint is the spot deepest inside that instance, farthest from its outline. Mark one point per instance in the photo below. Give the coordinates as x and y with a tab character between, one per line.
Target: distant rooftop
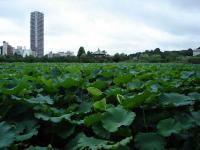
37	12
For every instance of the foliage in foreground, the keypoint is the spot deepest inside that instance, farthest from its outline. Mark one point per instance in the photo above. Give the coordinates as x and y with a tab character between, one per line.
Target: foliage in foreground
99	106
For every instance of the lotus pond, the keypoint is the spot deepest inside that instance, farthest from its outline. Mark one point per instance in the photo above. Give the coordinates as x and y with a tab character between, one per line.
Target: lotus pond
120	106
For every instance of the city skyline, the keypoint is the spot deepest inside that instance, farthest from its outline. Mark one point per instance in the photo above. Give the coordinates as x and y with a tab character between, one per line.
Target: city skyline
115	26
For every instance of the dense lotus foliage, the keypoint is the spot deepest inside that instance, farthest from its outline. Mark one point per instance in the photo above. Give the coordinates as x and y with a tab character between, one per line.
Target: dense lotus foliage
99	106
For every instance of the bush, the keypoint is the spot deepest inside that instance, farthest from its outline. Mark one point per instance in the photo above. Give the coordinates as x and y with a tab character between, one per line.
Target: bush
194	60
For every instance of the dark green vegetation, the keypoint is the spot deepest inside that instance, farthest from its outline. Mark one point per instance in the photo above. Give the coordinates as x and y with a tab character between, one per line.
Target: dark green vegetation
149	56
99	106
81	52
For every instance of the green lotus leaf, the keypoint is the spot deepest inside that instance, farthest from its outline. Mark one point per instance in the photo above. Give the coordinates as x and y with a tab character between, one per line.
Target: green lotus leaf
46	117
99	84
122	79
116	117
92	119
94	91
120	145
40	99
84	107
19	89
154	87
113	91
28	135
100	105
196	117
187	74
81	141
120	98
149	141
100	131
137	84
168	126
195	96
135	101
40	148
107	74
146	76
26	129
175	99
7	135
48	84
68	82
185	120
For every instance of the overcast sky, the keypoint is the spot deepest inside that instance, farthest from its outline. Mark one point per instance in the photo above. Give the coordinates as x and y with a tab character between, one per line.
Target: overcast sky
120	26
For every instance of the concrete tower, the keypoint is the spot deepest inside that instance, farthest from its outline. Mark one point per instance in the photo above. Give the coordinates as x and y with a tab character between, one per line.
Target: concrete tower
37	33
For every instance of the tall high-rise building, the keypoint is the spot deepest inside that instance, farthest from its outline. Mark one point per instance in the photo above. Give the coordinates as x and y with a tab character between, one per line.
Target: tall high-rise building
37	33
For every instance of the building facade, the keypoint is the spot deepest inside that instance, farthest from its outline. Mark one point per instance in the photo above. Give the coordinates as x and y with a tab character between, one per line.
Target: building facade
6	49
99	53
37	33
60	54
1	50
22	51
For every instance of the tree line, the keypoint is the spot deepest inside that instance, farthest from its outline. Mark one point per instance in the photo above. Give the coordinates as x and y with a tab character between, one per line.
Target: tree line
148	56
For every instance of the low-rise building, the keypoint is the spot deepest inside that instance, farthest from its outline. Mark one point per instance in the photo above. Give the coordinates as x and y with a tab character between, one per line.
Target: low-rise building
18	51
22	51
99	53
69	53
6	49
60	54
50	54
27	52
196	52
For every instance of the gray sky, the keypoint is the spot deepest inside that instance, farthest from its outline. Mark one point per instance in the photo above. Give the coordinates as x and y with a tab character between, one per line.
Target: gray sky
125	26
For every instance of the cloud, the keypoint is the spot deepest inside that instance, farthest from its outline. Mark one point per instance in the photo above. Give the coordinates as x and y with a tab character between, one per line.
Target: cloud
8	28
116	26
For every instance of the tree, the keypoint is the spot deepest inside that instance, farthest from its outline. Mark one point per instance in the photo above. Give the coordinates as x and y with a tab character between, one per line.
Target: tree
157	51
89	53
81	51
116	57
104	52
189	52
